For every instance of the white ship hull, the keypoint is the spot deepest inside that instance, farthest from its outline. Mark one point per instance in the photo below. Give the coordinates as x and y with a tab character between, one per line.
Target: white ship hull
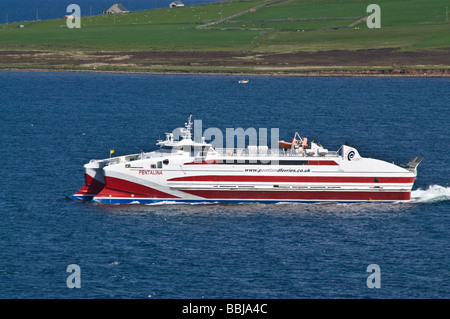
249	175
248	183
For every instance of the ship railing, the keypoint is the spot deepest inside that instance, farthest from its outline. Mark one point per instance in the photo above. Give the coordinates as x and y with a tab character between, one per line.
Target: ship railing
333	153
135	157
261	152
123	159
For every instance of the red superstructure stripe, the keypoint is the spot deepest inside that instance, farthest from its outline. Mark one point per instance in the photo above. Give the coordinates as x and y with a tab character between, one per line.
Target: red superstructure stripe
210	162
333	163
291	179
203	162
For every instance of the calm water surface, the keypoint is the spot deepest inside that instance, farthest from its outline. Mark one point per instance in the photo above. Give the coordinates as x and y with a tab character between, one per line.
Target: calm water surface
53	123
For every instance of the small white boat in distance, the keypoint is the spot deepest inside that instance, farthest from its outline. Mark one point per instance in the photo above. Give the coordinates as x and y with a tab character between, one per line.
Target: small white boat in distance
244	81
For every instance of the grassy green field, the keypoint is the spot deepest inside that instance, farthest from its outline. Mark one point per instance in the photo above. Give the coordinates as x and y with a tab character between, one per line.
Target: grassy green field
124	38
393	12
159	29
241	36
405	24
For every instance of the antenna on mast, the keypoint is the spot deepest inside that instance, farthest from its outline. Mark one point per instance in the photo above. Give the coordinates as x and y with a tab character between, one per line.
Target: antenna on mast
189	123
187	131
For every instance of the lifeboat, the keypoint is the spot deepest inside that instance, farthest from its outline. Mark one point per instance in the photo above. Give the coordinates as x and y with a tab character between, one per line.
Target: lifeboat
284	144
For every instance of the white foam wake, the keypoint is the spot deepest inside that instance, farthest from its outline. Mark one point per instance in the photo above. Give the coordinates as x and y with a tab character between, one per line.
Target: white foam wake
434	193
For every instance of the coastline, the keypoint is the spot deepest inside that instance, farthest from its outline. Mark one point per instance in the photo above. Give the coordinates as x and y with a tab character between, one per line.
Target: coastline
342	73
391	62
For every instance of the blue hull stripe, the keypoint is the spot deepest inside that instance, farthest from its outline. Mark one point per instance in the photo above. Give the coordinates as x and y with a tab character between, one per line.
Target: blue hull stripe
211	201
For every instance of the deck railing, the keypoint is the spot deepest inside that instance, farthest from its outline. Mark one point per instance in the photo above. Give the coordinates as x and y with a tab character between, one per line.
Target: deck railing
255	152
247	152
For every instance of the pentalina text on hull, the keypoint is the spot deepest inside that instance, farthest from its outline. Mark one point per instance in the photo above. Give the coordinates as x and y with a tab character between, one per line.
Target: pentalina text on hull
184	170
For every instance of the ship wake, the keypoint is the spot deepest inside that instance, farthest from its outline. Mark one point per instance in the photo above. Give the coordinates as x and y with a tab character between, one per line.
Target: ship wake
434	193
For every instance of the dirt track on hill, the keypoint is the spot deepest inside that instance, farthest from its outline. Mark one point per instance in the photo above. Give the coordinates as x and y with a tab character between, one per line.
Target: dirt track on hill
389	61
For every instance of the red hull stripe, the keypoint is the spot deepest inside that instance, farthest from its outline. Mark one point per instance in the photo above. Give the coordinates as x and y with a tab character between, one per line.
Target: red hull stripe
116	187
91	186
302	195
292	179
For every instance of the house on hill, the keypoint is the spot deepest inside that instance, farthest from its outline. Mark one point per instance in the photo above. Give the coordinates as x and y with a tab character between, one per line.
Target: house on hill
176	4
116	8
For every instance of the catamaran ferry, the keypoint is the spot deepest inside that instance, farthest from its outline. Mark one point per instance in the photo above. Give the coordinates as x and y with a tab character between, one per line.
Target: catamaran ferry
183	170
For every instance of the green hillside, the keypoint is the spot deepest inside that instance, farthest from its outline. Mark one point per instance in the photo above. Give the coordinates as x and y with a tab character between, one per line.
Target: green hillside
246	36
158	29
285	26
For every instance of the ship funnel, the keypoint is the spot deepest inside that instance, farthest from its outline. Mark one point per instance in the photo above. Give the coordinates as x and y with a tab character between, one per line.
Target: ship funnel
350	153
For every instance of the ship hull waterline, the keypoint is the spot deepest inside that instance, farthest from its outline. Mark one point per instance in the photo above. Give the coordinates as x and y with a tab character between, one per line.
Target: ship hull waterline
186	171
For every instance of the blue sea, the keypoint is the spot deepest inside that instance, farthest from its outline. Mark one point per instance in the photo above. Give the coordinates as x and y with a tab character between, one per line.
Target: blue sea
29	10
53	123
